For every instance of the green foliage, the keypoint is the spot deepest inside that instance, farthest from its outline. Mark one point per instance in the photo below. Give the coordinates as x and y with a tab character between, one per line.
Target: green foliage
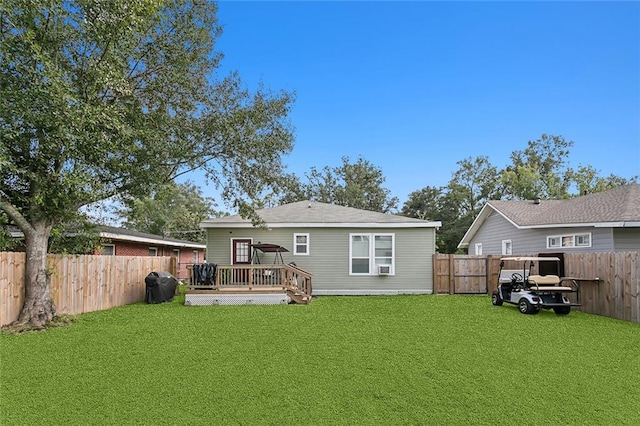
174	210
540	171
78	237
429	360
587	180
7	242
473	184
425	204
358	185
114	98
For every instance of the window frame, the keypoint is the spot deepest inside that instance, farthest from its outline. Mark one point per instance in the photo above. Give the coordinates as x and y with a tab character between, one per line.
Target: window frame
571	240
575	239
113	250
306	244
373	265
478	249
154	250
507	247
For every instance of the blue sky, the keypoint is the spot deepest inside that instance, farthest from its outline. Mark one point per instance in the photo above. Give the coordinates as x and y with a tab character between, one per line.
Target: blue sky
414	87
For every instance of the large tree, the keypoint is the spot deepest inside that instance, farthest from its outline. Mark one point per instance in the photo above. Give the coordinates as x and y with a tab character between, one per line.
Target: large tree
100	98
455	205
358	185
540	170
587	180
173	210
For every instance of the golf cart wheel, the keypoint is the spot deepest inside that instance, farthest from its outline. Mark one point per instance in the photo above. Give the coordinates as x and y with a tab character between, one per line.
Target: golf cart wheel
527	308
496	300
562	310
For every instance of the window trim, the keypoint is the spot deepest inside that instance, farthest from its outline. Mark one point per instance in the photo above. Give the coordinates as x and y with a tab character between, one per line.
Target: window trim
296	244
478	249
113	249
568	237
155	249
373	266
505	244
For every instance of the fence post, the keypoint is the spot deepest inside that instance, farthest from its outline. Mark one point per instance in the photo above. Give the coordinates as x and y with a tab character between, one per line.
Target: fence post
489	271
173	266
452	275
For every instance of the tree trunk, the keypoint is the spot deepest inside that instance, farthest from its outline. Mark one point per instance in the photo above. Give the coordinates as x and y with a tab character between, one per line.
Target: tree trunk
38	307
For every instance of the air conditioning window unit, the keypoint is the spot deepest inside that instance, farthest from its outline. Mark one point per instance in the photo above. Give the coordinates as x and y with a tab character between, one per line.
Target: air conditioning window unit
384	269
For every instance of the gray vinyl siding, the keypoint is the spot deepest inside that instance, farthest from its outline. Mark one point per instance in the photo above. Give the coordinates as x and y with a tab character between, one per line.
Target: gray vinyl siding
496	228
328	258
627	239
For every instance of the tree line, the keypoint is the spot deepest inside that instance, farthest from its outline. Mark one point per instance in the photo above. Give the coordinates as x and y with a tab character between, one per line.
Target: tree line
538	171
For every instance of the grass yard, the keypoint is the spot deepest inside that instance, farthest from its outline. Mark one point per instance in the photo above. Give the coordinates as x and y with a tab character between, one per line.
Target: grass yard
340	360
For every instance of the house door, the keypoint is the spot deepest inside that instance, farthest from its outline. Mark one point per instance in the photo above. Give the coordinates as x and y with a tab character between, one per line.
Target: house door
240	255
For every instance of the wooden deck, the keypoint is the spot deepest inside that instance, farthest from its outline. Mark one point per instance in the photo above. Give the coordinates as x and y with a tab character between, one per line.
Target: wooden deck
251	284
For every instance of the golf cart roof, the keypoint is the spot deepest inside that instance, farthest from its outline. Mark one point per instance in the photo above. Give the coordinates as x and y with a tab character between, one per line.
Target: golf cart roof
532	259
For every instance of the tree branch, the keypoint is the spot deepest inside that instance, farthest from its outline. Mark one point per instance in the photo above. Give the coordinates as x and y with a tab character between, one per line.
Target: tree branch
17	217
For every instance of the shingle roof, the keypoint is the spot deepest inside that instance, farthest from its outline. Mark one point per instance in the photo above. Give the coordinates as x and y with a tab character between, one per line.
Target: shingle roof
123	234
620	204
130	235
313	213
614	208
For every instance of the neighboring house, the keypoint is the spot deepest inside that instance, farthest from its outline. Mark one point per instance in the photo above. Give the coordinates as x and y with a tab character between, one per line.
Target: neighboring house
348	251
125	242
608	221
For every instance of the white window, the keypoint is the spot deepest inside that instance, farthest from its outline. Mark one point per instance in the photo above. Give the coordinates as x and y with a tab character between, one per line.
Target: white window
553	242
153	251
196	256
583	240
301	244
506	247
367	251
108	250
478	247
569	241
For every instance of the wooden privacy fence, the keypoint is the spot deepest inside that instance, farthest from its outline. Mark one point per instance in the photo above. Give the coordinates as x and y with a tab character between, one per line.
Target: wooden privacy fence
80	283
609	282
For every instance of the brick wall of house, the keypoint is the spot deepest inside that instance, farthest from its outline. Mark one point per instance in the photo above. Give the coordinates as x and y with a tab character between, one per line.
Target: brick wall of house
186	256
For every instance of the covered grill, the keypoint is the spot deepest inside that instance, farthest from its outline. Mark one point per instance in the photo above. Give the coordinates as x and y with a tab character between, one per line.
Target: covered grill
160	287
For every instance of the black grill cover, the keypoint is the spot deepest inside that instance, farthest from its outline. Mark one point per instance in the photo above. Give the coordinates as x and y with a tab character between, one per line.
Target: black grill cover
161	287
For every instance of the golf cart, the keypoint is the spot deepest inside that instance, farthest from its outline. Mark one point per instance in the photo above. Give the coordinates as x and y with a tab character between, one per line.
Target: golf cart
534	292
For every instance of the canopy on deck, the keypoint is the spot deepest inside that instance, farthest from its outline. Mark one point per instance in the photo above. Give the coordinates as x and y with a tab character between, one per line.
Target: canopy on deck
268	248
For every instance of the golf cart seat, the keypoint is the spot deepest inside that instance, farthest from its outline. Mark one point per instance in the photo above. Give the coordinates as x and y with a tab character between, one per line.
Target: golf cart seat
544	279
546	283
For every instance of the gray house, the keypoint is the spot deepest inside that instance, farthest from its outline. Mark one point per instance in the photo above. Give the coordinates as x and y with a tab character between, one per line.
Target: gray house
608	221
348	251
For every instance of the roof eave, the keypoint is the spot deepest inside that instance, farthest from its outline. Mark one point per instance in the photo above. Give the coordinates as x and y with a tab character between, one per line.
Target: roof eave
158	241
583	225
475	225
436	224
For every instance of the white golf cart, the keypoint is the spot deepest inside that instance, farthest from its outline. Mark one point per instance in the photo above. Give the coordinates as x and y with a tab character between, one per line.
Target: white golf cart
534	292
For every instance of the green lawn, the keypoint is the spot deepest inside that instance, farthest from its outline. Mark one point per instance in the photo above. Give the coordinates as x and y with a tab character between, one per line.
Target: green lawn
340	360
